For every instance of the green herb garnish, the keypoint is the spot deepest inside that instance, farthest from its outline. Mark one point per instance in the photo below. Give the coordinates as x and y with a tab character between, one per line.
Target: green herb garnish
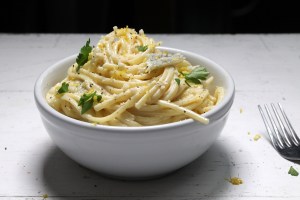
187	83
83	56
64	88
197	75
86	101
142	48
177	81
293	172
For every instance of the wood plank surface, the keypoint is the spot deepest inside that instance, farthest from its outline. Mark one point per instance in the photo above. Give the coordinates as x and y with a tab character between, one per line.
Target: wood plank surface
265	68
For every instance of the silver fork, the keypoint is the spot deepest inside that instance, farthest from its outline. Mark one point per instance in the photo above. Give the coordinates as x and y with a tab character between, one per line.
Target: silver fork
281	132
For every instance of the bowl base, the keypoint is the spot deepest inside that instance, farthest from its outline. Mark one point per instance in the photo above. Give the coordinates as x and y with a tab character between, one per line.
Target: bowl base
131	178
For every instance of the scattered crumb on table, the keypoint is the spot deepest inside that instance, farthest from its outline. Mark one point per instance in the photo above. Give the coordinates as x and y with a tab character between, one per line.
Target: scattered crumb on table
293	172
45	196
256	137
235	181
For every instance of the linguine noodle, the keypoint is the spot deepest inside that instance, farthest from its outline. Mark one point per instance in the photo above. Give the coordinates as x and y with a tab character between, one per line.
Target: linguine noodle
139	84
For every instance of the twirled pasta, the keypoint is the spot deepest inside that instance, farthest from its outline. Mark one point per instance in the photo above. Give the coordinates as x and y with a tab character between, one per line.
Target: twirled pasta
138	87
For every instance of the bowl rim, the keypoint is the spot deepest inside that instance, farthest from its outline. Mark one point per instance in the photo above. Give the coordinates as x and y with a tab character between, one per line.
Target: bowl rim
42	103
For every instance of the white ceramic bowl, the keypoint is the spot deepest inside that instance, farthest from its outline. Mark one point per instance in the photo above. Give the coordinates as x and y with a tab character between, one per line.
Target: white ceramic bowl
133	152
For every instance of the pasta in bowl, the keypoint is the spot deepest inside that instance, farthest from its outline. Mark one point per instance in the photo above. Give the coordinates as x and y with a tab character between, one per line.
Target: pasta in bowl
127	81
139	132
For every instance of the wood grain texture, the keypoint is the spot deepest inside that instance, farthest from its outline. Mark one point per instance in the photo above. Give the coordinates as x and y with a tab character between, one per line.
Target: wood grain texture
265	69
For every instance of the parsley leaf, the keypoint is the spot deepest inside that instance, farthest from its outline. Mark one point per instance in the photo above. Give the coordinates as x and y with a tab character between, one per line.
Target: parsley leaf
187	83
142	48
83	56
64	88
86	101
197	75
177	81
293	172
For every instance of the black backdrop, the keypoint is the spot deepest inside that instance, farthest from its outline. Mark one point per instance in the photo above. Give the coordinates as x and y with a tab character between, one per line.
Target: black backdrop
154	16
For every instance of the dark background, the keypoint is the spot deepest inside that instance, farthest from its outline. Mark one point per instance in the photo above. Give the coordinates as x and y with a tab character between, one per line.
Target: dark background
178	16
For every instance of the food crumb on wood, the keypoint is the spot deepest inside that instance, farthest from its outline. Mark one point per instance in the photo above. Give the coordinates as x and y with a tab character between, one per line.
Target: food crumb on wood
256	137
235	181
45	196
293	171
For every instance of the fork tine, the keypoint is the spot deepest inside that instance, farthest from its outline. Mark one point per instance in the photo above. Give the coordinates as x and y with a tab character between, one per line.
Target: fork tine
275	143
295	137
282	130
275	129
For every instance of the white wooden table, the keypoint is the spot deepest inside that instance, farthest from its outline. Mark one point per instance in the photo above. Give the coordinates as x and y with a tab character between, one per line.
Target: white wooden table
266	68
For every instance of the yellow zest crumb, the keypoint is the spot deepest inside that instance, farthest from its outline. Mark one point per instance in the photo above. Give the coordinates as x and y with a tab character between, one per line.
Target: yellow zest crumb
257	137
120	74
74	84
91	91
45	196
249	133
235	181
241	110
